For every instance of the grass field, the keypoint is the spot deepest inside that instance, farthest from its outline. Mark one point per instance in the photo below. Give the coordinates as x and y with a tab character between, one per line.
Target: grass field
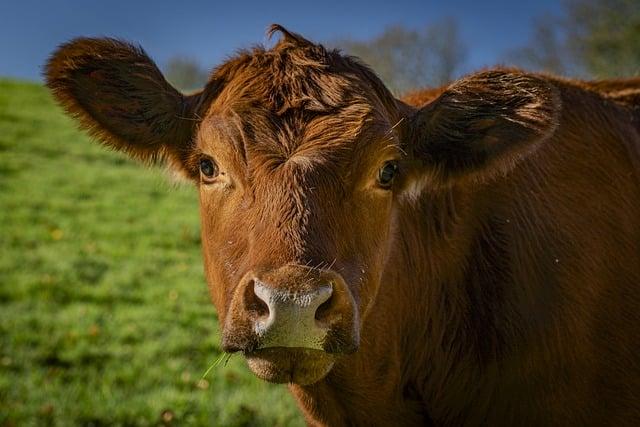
104	313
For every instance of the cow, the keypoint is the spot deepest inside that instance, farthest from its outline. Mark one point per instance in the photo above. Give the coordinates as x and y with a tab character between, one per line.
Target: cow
468	257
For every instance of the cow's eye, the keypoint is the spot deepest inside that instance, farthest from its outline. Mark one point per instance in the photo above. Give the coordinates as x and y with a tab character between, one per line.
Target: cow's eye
208	168
386	174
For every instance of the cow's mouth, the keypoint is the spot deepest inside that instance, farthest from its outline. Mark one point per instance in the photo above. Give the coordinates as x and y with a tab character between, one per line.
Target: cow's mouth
297	365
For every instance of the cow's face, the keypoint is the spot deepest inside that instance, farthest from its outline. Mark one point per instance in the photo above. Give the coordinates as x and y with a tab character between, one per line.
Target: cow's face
297	168
296	211
301	158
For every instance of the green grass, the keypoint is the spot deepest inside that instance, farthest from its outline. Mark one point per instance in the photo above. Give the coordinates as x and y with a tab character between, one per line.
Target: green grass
104	313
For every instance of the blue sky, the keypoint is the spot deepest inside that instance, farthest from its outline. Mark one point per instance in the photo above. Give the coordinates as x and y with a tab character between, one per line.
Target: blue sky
212	30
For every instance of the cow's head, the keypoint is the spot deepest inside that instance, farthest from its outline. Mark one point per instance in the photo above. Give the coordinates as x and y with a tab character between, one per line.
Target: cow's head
301	157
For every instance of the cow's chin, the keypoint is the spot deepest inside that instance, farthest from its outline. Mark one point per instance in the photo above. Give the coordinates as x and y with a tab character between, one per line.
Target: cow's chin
297	365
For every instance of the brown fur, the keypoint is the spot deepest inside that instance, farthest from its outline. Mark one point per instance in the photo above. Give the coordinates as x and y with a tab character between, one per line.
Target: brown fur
497	283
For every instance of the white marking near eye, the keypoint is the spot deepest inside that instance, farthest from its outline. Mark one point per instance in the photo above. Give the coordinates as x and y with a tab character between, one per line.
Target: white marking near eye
414	189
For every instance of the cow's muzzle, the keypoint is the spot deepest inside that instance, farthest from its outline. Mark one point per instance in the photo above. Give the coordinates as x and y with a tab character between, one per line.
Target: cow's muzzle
291	323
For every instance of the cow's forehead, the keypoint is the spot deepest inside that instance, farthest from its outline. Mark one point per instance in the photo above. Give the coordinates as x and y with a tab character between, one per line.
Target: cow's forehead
263	138
300	131
299	101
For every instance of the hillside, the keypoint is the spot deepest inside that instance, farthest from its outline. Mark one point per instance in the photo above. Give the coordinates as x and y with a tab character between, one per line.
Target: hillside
104	312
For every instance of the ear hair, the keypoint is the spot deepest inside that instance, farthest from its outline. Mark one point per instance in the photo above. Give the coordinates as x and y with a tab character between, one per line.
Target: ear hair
119	96
484	125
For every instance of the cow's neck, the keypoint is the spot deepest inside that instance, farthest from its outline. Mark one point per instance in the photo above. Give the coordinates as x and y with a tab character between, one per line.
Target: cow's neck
421	314
445	290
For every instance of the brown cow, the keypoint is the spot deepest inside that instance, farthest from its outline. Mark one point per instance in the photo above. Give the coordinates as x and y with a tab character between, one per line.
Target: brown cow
472	262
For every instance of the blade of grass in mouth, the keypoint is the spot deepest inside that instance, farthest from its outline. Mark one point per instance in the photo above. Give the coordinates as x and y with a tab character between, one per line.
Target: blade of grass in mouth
217	362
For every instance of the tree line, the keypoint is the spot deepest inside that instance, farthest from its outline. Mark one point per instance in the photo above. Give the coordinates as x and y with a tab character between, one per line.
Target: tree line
590	39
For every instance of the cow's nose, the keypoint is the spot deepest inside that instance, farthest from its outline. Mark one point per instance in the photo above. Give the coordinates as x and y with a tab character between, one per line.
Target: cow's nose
292	318
291	306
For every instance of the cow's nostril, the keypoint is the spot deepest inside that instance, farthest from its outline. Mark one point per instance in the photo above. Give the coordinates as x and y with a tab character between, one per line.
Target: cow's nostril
253	303
323	311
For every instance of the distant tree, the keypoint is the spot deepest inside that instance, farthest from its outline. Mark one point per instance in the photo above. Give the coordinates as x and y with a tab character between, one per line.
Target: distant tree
546	50
407	59
594	38
604	36
397	55
448	52
185	73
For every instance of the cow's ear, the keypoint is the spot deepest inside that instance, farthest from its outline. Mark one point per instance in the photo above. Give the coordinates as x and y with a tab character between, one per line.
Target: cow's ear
483	125
120	96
